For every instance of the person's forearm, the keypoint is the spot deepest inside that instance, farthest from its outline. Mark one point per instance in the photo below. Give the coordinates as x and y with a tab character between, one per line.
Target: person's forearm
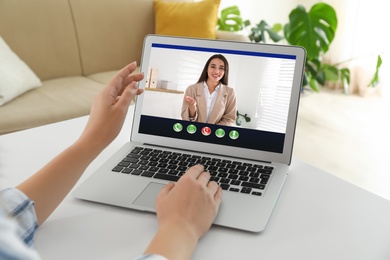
192	111
174	242
52	183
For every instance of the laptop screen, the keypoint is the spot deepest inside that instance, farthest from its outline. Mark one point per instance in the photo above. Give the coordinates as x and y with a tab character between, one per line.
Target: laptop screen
230	97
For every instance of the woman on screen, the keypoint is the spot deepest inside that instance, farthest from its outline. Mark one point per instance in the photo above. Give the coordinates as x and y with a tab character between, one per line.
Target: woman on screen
211	100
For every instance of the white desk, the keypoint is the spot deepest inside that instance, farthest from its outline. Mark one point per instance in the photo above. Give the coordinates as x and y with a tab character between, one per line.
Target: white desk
318	216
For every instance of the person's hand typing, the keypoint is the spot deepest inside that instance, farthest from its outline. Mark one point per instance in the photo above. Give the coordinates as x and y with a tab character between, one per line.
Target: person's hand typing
185	212
192	201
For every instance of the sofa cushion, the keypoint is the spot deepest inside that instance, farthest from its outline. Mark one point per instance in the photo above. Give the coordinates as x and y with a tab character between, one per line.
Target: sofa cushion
56	100
111	33
190	19
103	77
106	76
15	76
42	34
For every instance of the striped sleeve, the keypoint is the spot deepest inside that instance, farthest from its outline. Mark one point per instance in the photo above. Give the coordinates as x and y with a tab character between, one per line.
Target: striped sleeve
18	224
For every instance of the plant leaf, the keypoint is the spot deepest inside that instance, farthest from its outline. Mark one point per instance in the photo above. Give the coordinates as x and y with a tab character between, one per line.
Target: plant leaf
277	27
313	30
375	80
259	33
345	75
230	20
331	73
314	85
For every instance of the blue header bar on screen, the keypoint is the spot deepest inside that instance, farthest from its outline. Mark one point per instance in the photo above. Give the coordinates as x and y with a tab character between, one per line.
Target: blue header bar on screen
214	50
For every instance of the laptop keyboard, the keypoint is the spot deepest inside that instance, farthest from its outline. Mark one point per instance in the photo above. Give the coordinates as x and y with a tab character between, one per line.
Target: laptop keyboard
231	175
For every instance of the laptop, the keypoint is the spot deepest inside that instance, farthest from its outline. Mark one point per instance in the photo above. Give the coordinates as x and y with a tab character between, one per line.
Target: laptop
249	156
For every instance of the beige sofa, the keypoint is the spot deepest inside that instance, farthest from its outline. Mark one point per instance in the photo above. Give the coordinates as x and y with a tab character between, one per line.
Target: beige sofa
74	47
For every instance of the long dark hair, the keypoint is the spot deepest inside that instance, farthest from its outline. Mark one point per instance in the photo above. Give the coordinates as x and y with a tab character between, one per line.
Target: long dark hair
224	79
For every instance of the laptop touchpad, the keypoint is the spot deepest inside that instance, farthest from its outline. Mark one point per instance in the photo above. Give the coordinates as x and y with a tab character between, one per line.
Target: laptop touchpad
148	196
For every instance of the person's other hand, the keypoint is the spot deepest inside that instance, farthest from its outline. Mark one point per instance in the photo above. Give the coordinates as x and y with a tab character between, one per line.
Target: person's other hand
110	106
192	203
190	101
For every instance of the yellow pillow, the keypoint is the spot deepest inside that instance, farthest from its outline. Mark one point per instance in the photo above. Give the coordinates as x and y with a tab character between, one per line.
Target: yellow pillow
190	19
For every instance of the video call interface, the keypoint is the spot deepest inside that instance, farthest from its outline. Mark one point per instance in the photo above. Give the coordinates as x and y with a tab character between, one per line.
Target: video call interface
254	115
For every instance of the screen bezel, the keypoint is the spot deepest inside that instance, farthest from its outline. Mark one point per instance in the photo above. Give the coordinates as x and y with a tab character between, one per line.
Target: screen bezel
284	157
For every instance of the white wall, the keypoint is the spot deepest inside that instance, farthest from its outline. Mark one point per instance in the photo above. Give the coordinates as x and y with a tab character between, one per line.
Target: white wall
360	37
275	11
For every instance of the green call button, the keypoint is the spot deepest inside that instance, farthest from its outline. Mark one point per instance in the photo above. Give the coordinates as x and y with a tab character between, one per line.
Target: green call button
233	134
220	133
191	129
177	127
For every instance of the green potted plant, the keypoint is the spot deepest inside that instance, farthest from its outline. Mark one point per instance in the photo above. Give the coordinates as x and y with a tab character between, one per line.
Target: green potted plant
241	117
231	25
315	31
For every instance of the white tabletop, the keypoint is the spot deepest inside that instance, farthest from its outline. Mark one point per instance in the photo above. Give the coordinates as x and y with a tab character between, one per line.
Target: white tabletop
318	216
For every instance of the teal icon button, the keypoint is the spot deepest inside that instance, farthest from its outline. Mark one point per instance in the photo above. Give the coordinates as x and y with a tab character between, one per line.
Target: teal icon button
220	133
177	127
191	129
233	134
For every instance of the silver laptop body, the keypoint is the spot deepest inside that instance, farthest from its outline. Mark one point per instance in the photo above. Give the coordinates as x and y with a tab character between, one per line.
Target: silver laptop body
267	82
